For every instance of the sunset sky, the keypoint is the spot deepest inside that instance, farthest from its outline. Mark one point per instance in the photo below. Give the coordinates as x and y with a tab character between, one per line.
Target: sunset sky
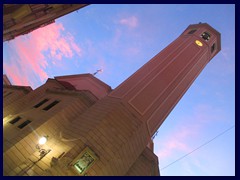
120	39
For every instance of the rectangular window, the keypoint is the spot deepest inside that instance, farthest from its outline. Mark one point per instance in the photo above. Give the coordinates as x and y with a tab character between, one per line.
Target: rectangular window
24	124
192	31
41	103
50	105
213	48
7	94
16	119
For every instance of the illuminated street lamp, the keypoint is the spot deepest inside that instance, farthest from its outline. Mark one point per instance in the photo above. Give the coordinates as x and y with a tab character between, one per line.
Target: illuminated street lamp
41	142
43	152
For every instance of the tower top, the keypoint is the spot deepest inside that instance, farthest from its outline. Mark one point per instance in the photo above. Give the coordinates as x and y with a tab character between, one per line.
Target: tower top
208	36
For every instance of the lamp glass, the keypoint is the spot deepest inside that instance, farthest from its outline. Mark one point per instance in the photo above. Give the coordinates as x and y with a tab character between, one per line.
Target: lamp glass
42	140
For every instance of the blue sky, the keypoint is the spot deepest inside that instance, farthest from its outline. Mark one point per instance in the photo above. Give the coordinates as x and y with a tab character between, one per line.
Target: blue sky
121	38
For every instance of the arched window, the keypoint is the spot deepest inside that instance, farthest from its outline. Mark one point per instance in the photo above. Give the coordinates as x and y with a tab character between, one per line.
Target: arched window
213	48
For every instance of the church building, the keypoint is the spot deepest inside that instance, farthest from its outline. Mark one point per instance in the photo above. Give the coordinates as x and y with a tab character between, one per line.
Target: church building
77	125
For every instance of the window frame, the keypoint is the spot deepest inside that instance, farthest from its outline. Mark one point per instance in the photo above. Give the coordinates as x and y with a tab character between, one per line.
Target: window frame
41	103
15	120
51	105
24	124
192	31
213	47
7	94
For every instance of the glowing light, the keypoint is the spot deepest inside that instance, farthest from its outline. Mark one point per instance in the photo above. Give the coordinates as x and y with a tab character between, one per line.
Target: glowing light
199	43
42	140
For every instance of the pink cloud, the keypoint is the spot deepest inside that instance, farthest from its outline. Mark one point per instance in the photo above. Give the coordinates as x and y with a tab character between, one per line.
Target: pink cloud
132	51
74	46
177	142
131	22
14	77
29	57
101	64
186	136
205	113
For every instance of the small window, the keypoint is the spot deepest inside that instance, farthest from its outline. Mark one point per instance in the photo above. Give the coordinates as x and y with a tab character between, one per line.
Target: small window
213	48
16	119
24	124
41	103
192	31
206	36
7	94
50	105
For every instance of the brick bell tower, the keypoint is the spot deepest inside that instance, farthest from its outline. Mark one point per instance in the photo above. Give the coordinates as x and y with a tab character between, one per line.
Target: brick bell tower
121	124
96	131
156	88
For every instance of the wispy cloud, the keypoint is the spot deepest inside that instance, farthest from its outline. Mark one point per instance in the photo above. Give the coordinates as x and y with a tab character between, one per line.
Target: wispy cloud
101	64
200	116
205	114
132	51
226	52
184	137
177	142
31	54
130	22
15	75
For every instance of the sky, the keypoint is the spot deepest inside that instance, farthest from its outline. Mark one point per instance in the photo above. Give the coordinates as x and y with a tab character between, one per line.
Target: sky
119	39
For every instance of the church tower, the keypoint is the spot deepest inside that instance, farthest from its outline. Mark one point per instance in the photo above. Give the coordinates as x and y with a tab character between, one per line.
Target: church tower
155	89
94	130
